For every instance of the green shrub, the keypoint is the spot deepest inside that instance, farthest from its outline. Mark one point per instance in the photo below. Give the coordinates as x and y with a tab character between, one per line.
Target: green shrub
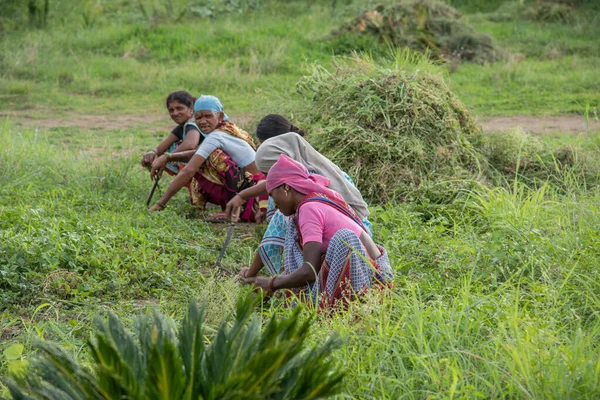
242	362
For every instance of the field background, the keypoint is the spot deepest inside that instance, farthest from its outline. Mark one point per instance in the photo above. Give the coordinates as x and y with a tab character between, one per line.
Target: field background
497	295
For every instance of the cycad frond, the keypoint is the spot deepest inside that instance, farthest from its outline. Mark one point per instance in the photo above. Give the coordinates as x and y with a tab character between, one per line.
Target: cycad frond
240	362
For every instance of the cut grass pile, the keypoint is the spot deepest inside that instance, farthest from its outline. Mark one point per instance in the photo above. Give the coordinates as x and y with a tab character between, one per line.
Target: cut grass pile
393	129
427	26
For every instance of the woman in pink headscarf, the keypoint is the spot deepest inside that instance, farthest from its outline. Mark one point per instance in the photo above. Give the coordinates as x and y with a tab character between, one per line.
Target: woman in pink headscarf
329	256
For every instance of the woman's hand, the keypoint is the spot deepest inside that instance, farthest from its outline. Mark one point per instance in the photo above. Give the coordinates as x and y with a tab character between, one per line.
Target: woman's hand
156	207
260	216
235	203
158	165
148	158
244	272
262	283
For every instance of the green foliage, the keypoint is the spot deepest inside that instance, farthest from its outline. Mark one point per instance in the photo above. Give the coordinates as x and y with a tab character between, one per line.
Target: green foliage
241	361
425	26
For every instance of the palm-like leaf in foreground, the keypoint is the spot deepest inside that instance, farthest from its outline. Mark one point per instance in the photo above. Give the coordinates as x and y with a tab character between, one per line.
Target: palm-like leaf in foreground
241	361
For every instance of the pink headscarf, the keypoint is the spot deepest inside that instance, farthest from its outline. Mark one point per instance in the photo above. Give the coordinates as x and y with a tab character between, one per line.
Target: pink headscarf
294	174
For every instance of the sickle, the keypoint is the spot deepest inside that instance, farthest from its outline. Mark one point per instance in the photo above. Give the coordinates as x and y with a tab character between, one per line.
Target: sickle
152	191
234	218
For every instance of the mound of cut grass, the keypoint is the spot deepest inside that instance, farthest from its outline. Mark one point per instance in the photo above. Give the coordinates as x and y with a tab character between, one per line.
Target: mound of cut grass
426	26
398	130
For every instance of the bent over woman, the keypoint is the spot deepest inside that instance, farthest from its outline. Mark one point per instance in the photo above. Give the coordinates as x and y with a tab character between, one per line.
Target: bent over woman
279	136
222	166
329	256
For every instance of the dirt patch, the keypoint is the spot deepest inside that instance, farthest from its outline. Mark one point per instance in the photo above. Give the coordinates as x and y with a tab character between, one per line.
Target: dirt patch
90	121
563	124
153	122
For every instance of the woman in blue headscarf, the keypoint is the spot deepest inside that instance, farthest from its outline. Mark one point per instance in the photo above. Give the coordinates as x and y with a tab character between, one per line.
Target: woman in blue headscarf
222	166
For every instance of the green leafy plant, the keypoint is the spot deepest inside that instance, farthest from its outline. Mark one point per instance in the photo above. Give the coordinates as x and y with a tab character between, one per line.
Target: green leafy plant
241	361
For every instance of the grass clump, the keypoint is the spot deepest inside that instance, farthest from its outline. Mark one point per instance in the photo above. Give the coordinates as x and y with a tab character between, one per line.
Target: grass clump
422	25
517	152
397	129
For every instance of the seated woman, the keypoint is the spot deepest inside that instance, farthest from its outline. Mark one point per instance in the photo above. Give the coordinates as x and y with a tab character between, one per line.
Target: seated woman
222	166
329	256
185	136
278	136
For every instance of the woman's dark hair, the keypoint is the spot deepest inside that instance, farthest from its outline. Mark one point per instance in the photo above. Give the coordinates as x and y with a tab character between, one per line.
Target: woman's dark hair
274	125
181	96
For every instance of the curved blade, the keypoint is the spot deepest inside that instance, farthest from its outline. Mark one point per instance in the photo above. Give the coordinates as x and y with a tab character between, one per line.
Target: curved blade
225	244
152	192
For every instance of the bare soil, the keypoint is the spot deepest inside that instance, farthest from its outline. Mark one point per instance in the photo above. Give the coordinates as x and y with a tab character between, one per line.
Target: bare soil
561	124
90	121
45	120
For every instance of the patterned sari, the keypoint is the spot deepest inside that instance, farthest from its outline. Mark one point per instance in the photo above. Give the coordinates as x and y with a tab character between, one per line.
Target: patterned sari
346	270
219	178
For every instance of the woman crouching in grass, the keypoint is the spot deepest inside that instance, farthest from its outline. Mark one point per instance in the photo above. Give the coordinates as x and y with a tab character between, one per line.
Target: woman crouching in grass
222	165
329	256
185	136
279	136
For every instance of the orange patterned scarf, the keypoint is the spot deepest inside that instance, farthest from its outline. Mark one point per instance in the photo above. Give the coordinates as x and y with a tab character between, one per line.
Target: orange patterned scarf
218	161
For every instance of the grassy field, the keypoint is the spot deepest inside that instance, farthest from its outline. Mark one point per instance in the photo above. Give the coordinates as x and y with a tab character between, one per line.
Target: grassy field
497	293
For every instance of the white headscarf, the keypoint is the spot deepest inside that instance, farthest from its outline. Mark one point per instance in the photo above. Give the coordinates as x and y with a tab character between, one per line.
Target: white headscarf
298	149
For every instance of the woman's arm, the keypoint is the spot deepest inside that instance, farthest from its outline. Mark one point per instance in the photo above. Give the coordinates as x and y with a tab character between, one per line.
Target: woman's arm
254	268
304	275
151	155
191	142
240	199
252	168
161	162
180	180
165	144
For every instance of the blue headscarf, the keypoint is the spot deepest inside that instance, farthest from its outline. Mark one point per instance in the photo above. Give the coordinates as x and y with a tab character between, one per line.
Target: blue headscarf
211	103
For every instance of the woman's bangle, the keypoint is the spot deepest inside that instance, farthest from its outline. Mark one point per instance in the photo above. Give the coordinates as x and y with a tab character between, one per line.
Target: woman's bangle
242	197
169	158
271	280
152	151
160	205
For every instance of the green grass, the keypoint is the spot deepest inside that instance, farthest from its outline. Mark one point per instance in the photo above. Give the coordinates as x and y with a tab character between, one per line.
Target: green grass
496	294
117	67
552	69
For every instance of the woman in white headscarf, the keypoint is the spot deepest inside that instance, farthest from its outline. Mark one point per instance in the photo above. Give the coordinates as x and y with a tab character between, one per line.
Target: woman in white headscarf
278	136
